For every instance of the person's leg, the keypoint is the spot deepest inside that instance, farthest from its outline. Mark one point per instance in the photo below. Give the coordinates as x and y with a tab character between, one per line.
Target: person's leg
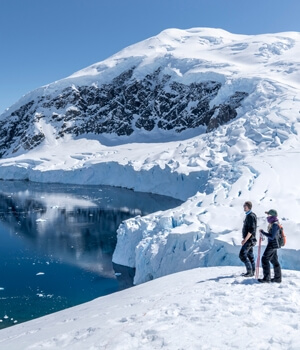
251	258
277	268
265	262
244	258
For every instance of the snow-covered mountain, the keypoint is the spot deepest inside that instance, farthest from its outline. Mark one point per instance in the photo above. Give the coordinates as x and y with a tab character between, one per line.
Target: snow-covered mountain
176	81
202	115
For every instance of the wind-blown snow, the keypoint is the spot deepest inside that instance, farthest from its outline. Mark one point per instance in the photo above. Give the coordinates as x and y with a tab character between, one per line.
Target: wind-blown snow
206	308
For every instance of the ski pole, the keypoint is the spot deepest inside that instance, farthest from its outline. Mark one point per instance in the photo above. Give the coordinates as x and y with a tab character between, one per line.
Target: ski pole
258	257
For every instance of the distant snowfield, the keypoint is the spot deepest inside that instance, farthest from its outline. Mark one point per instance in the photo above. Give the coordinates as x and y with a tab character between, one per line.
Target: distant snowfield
204	308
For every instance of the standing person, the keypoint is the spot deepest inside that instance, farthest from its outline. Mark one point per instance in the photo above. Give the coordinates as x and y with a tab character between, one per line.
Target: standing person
270	253
249	240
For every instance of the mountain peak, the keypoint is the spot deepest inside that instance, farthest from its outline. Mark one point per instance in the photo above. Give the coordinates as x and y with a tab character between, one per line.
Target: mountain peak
197	51
177	81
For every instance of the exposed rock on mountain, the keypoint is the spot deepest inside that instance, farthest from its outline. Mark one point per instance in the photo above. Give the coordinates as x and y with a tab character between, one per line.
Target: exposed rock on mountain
122	107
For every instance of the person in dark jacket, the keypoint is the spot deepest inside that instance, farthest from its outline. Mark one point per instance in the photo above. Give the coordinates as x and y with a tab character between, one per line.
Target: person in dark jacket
249	240
270	253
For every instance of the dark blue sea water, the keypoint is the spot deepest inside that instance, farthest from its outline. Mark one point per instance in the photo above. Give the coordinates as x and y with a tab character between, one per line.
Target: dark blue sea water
56	245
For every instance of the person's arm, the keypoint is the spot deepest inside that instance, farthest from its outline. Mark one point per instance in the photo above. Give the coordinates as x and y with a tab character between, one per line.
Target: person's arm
246	238
251	226
264	233
274	231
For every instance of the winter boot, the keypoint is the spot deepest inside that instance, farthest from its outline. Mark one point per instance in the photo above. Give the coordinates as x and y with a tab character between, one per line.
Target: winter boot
263	280
249	273
276	280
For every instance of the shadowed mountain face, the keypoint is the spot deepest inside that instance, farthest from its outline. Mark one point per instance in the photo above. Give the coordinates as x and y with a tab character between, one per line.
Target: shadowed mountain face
124	107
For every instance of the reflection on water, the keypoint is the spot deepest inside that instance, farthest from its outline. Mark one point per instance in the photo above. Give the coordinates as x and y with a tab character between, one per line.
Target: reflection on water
56	244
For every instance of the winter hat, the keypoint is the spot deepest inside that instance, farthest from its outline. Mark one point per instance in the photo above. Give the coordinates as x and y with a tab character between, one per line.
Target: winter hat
272	212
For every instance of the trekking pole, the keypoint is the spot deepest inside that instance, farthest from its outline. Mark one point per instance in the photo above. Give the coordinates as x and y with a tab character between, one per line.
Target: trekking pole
258	257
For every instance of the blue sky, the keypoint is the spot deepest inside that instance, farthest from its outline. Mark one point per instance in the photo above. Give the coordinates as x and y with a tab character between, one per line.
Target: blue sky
46	40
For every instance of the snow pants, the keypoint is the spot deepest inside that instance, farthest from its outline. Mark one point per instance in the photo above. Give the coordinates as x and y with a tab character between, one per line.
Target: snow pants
247	256
270	256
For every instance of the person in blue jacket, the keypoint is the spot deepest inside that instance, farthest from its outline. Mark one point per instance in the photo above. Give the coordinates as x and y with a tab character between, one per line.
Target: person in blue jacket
270	253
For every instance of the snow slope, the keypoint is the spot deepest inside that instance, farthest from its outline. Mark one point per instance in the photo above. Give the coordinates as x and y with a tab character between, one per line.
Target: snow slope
252	157
217	52
205	308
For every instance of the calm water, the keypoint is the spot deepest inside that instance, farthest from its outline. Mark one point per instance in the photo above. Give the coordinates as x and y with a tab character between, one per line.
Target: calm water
56	245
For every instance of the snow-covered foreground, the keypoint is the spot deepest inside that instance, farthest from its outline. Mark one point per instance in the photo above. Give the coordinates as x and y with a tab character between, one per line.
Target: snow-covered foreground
204	308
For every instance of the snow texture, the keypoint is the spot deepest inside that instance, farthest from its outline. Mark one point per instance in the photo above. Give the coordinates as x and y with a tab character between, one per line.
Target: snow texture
204	308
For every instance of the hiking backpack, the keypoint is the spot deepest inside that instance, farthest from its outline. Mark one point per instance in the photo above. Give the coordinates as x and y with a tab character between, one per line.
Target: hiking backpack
281	236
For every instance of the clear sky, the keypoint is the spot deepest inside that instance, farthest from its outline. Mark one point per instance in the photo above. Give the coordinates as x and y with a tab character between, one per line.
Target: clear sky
46	40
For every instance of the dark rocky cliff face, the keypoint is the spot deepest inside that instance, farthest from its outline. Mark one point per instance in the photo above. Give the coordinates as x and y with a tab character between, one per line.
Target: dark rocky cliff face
123	107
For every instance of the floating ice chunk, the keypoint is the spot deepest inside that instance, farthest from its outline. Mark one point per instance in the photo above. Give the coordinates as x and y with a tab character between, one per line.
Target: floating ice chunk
40	273
41	220
1	288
